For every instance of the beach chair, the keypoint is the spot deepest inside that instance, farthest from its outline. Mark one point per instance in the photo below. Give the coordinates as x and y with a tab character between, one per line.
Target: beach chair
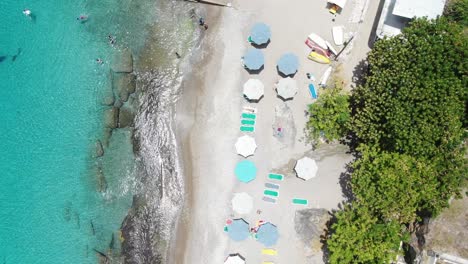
271	193
272	185
269	199
300	201
312	91
248	122
247	128
249	109
269	252
274	176
249	116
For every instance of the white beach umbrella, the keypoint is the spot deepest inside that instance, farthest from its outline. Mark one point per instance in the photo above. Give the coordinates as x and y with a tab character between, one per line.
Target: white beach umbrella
286	88
246	146
306	168
242	203
254	89
234	259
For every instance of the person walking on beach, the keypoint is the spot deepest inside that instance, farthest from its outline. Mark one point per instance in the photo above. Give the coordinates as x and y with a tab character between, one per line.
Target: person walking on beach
202	23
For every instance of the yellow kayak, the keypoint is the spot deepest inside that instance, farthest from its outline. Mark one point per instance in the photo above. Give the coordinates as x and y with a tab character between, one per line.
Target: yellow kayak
318	58
269	251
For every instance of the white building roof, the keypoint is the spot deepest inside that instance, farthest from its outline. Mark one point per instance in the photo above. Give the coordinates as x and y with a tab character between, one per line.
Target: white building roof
419	8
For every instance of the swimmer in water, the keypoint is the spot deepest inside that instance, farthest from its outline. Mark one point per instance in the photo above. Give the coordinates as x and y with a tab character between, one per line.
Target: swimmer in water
82	18
99	61
27	12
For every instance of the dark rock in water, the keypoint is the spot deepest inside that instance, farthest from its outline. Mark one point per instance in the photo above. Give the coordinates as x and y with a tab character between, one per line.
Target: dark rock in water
107	94
126	117
99	149
2	58
118	103
101	180
111	117
123	61
124	84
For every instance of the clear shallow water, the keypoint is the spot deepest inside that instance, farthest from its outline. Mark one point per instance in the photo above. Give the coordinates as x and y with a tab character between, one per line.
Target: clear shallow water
50	116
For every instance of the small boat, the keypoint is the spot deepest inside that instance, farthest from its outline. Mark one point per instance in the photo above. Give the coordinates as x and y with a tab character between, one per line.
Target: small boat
315	56
337	33
331	48
325	76
317	40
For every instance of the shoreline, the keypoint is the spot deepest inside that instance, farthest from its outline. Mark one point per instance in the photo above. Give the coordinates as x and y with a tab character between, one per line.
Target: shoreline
186	107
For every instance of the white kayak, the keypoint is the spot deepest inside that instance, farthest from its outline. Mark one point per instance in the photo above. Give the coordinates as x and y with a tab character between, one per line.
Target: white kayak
337	33
331	48
325	76
318	40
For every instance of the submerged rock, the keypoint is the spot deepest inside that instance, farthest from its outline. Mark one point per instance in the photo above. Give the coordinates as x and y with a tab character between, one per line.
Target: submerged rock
101	180
99	149
107	94
124	84
126	117
111	117
123	61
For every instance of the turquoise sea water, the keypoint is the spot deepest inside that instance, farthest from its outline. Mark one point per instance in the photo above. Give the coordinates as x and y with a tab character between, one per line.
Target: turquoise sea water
50	116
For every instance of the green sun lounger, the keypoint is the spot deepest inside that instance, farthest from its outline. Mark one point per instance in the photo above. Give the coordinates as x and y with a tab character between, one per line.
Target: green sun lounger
247	128
274	176
249	116
300	201
247	122
271	193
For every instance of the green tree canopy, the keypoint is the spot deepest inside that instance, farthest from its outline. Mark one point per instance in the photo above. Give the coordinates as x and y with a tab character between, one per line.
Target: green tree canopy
358	237
329	115
395	186
414	98
457	11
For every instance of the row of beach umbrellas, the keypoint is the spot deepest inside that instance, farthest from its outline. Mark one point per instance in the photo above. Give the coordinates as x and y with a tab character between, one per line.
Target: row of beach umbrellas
287	64
285	87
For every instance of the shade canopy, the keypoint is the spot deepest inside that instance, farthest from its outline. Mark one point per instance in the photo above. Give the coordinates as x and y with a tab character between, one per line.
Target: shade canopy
234	259
306	168
242	203
286	88
254	89
267	234
288	64
238	230
260	33
246	146
340	3
254	59
245	171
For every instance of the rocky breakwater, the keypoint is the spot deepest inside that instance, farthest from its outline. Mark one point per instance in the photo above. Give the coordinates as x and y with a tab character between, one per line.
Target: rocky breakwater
119	100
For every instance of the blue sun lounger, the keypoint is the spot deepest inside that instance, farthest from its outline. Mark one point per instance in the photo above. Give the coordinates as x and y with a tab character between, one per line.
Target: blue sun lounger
312	91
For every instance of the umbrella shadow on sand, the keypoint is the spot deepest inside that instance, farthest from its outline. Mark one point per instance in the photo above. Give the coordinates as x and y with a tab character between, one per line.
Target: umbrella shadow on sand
285	75
281	98
253	101
254	71
260	46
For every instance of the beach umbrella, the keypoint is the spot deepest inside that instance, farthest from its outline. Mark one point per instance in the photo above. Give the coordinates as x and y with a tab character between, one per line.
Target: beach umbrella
234	259
306	168
245	171
260	33
267	234
242	203
254	89
286	88
238	230
254	59
288	64
246	146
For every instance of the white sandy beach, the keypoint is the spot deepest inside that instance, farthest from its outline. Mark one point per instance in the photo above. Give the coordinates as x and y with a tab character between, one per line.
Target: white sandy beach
217	109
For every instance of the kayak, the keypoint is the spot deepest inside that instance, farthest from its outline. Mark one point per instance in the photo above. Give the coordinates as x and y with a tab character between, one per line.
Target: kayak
331	48
337	33
318	40
325	76
316	48
318	58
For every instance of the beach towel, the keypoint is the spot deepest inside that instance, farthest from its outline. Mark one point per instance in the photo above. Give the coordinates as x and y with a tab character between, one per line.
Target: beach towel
312	91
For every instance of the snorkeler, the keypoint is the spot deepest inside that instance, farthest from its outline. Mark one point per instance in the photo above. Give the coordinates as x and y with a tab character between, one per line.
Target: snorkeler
82	18
27	12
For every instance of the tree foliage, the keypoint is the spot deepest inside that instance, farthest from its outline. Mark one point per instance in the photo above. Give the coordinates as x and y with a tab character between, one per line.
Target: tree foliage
359	237
329	115
457	11
395	186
